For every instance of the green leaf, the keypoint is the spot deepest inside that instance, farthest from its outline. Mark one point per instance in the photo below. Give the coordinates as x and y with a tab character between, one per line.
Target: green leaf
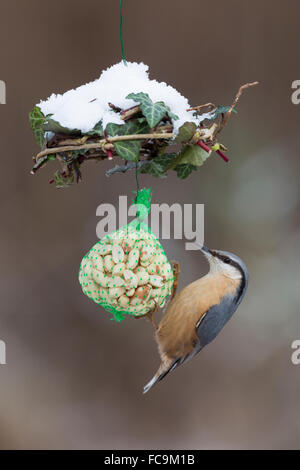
183	171
63	181
193	155
134	126
50	125
170	114
128	149
37	119
159	165
186	132
97	129
165	160
153	168
153	112
219	110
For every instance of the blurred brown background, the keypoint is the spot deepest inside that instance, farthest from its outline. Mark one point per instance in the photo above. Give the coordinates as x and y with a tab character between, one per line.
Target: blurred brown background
73	378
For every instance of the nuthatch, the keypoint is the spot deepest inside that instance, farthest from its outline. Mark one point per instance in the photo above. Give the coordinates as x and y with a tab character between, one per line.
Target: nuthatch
198	313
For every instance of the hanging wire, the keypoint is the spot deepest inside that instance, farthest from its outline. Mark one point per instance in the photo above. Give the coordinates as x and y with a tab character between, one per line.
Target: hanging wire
137	191
137	178
121	32
125	63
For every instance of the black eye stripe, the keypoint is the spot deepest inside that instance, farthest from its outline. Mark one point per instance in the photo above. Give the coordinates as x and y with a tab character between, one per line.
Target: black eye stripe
231	261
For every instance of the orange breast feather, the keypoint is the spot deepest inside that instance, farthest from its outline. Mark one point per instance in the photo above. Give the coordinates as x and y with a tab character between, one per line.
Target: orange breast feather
176	335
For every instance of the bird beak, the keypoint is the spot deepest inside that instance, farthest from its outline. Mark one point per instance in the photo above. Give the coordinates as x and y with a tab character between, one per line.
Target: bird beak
207	251
209	254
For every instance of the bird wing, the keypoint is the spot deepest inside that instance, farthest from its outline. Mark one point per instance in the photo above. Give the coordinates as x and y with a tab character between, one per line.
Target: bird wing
181	333
210	325
207	328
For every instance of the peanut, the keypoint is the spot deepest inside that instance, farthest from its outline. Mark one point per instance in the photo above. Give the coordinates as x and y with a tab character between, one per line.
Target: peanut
133	259
135	301
152	268
143	293
156	281
130	292
116	292
105	250
119	269
142	275
108	263
124	301
98	263
130	278
116	281
117	254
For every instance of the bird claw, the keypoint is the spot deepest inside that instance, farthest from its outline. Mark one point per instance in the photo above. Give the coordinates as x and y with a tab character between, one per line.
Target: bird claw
150	315
176	271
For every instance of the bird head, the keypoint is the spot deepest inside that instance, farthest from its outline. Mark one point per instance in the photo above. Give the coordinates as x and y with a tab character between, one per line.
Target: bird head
225	263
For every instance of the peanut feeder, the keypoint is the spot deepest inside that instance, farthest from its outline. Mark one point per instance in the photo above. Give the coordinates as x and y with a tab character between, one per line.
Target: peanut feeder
127	272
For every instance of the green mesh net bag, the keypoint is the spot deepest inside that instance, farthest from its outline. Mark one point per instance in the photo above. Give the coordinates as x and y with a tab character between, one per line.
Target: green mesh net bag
127	272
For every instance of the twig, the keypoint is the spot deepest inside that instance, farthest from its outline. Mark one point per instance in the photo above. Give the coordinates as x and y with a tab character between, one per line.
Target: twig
240	91
154	135
235	101
106	144
80	141
115	108
128	113
196	108
208	150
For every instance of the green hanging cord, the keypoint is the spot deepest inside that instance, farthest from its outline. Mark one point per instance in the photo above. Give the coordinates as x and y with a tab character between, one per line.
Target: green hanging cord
137	189
121	32
137	179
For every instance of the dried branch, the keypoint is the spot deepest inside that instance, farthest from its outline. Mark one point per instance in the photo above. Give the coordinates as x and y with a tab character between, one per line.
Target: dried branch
105	144
73	142
196	108
129	113
115	108
235	101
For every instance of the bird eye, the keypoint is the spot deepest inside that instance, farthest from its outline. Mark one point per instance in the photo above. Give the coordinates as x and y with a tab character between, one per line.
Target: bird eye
227	260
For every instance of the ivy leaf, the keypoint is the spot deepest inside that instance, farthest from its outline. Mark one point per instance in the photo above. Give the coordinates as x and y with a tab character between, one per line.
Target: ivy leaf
154	168
165	160
113	129
184	170
153	112
219	110
135	126
158	166
128	149
186	132
170	114
37	119
50	125
192	155
97	129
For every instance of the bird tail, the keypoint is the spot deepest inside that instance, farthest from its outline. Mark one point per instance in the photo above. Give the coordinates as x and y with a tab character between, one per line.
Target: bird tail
163	370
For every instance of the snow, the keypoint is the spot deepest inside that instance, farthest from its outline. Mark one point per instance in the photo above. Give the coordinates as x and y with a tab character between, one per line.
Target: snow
85	106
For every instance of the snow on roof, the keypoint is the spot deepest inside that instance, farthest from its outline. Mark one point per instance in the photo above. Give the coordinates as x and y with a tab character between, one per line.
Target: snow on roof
85	106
